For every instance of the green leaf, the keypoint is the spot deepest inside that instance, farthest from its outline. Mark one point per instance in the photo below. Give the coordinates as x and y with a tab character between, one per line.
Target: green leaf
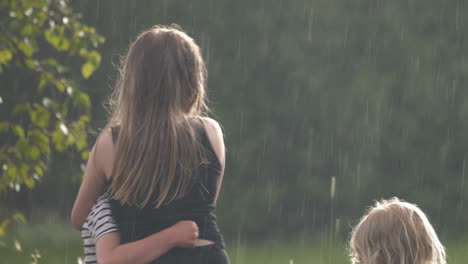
32	64
19	131
52	62
27	30
83	101
3	226
19	109
39	170
85	155
60	86
40	116
3	126
87	69
26	47
29	182
12	171
56	38
33	152
45	78
64	45
58	139
5	56
19	218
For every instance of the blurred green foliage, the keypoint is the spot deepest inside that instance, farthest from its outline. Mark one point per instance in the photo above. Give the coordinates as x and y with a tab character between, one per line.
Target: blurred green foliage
43	109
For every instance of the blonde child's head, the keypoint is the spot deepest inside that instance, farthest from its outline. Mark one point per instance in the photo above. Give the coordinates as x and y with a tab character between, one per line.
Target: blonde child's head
395	232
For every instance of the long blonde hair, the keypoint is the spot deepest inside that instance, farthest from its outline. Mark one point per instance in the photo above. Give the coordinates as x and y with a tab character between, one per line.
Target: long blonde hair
395	232
159	95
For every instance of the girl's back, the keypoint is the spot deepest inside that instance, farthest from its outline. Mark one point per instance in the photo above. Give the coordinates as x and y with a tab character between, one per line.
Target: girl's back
198	205
169	158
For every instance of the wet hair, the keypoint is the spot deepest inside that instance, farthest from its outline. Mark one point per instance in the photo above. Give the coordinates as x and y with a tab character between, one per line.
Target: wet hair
395	232
159	94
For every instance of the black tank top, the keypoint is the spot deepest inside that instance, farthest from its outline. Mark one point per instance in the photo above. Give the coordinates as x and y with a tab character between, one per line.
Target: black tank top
198	205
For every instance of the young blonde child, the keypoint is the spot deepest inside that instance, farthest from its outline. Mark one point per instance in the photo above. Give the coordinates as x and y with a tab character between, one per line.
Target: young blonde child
395	232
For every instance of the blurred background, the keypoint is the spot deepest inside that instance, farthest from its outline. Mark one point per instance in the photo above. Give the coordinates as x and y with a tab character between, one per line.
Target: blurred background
326	105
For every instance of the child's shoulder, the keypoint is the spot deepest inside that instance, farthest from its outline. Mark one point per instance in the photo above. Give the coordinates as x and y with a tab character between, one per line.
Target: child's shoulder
99	221
103	202
100	214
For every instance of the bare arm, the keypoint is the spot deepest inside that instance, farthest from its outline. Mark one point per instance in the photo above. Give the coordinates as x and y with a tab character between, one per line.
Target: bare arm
215	135
98	169
109	250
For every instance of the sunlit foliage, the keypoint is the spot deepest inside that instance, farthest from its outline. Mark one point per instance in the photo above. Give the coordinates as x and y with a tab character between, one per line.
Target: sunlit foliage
43	109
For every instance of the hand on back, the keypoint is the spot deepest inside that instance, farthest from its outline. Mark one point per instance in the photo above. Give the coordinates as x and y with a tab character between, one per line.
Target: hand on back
185	234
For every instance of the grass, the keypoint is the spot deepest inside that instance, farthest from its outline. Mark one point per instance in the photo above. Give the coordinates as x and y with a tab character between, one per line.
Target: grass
288	253
58	243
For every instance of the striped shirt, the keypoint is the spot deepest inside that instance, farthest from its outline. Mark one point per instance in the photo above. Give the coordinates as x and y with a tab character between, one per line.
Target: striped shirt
98	223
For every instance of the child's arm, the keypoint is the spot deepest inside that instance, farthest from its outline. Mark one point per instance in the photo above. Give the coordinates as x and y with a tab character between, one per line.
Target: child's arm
109	250
99	165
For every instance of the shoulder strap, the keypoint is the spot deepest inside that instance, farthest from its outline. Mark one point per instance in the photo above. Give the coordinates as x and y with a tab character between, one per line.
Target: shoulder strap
115	133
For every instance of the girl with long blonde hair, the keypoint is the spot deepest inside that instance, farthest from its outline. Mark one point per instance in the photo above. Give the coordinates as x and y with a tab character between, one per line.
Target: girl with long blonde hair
160	158
395	232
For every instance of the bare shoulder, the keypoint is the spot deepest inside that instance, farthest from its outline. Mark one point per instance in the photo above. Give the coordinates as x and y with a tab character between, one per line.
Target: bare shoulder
104	152
212	126
104	141
215	135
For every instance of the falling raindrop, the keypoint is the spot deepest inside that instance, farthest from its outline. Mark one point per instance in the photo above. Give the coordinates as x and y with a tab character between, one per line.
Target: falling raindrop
463	173
345	38
457	16
332	187
337	227
269	199
310	23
